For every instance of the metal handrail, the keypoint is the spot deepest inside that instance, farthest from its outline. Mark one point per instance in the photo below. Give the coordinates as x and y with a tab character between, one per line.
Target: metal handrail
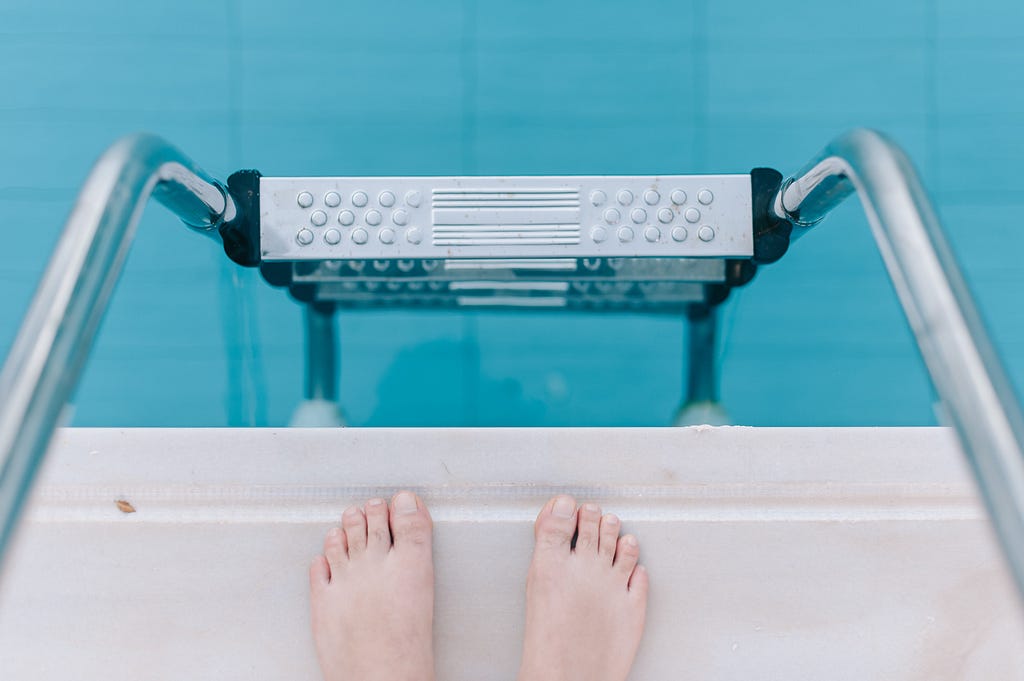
48	354
977	396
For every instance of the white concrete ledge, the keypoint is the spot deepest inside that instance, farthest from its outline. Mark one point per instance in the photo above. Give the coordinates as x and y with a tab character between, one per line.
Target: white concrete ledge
774	553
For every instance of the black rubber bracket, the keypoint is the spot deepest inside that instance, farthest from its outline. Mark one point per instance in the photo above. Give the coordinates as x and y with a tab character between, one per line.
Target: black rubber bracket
771	233
241	236
737	273
771	237
279	275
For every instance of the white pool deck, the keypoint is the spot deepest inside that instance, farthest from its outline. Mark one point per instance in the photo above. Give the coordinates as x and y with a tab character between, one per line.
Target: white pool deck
774	554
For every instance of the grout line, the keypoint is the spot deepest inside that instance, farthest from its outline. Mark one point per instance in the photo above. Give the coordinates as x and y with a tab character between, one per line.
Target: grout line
931	94
469	87
470	340
246	391
699	63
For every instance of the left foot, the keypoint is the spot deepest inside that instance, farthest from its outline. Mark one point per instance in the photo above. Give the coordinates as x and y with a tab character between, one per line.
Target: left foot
372	593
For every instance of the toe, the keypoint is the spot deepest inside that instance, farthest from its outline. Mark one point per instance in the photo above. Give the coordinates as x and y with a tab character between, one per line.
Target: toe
354	523
609	537
319	574
587	528
410	522
626	555
335	550
378	534
638	582
556	524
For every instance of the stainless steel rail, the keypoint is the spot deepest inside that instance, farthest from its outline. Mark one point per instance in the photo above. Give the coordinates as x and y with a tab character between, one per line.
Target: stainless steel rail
965	370
48	354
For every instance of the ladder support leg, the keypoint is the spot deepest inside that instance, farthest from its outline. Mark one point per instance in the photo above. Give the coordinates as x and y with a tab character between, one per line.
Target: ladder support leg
320	407
701	405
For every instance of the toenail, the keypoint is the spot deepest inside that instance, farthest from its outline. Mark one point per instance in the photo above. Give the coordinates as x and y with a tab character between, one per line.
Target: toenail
334	533
351	511
611	519
591	508
563	507
630	540
405	503
374	502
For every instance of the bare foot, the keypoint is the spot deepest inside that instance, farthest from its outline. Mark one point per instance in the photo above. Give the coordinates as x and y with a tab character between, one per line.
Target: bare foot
373	594
585	606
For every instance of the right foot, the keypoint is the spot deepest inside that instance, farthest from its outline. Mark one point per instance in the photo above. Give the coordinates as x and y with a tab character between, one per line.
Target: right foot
585	606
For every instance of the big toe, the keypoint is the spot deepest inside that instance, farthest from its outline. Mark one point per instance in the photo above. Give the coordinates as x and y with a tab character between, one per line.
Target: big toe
556	524
411	525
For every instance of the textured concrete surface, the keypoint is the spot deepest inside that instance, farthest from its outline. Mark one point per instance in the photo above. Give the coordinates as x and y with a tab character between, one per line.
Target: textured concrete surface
796	554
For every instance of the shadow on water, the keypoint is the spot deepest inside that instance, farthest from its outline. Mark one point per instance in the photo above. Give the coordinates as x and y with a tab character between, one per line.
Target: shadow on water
439	383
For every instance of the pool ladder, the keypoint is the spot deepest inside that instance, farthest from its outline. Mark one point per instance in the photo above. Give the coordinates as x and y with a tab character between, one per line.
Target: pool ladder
52	345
